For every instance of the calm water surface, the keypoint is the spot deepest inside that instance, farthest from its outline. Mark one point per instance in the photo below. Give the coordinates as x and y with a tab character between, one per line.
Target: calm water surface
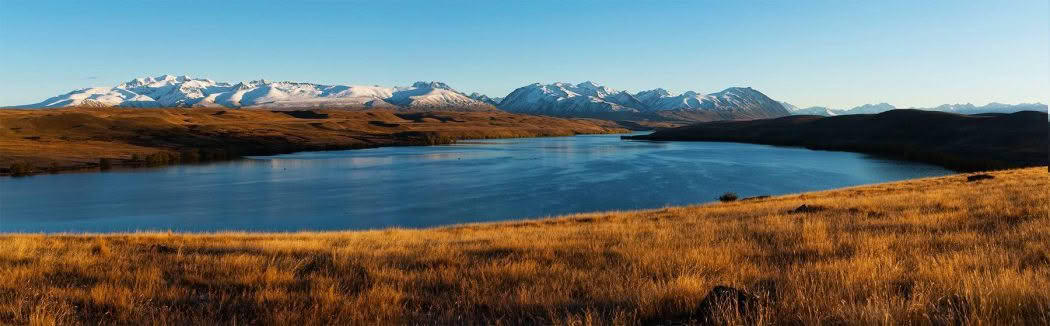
473	181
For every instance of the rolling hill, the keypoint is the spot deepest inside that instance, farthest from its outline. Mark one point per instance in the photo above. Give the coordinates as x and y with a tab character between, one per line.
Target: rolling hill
963	142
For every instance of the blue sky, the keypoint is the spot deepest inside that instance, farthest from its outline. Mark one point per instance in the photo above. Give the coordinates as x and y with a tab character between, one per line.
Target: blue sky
831	53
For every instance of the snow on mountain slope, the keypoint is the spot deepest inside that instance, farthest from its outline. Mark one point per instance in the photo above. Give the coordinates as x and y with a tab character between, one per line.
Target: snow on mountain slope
871	108
182	91
435	95
589	98
650	97
817	110
494	101
748	99
96	96
991	108
953	108
562	98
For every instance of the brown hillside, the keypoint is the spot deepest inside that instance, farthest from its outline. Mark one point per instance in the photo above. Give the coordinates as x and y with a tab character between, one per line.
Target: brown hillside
79	138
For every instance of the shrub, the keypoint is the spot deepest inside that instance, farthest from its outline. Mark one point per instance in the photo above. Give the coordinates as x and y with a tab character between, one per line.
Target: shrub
192	155
20	168
105	164
728	197
160	158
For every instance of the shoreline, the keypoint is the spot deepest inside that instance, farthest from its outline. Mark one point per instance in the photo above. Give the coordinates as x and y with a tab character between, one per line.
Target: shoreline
63	140
963	143
911	252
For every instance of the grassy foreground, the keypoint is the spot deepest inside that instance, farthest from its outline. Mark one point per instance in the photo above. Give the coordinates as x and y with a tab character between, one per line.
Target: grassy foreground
925	251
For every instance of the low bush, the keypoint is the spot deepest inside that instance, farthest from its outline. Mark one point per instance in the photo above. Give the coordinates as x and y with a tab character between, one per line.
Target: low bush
105	164
21	168
727	197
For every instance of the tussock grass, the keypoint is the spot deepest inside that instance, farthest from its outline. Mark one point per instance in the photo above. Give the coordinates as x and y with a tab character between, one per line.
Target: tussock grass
925	251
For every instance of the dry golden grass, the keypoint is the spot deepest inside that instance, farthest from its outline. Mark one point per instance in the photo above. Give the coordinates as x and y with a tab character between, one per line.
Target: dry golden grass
895	253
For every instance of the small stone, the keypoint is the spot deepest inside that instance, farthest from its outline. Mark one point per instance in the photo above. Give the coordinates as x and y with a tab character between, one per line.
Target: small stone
807	209
979	177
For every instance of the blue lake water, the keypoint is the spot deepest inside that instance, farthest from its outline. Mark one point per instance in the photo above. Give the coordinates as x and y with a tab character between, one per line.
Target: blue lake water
488	180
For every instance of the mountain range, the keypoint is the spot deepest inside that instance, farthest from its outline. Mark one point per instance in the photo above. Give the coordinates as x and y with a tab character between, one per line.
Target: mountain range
587	99
183	91
883	107
591	99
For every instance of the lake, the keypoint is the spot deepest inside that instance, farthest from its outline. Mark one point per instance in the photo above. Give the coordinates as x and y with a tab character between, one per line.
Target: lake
473	181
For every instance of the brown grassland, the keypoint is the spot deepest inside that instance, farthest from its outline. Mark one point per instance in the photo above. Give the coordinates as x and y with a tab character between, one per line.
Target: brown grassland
79	138
925	251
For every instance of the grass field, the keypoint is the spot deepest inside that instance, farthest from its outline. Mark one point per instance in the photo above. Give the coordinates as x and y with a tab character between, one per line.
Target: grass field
78	138
925	251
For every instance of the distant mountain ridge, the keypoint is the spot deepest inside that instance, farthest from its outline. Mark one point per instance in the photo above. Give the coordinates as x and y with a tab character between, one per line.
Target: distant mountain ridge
593	100
183	91
953	108
586	99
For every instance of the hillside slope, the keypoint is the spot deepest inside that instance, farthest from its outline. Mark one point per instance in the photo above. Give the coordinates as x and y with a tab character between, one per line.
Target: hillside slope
964	142
928	251
79	138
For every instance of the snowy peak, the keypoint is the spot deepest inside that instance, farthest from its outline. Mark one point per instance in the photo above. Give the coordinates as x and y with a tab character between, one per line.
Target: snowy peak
432	84
871	108
589	98
485	98
967	108
185	91
817	110
567	99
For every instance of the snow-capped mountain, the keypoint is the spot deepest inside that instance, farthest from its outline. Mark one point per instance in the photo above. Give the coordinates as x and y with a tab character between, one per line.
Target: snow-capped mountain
954	108
566	99
182	91
485	98
991	108
817	110
871	108
590	99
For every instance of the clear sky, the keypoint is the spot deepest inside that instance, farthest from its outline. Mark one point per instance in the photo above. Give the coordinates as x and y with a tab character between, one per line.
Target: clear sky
833	53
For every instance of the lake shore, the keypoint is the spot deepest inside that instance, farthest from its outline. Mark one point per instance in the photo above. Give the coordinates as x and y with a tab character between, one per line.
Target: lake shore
40	141
931	250
955	141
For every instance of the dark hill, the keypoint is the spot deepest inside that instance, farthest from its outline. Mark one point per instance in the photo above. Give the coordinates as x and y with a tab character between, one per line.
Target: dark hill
961	142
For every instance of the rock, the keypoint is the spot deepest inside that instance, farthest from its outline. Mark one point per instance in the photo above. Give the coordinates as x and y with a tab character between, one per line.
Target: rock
807	209
161	249
979	177
724	301
756	197
723	305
